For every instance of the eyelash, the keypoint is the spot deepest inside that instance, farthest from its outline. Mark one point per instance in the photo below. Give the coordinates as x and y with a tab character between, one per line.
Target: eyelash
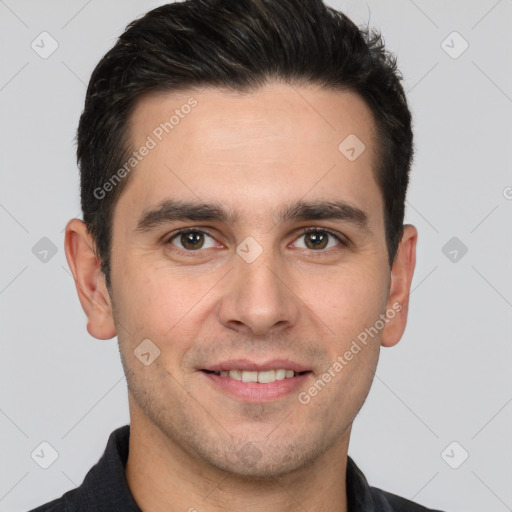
303	231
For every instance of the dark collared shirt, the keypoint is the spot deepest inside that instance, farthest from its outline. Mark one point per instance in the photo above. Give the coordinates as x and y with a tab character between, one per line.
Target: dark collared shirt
105	488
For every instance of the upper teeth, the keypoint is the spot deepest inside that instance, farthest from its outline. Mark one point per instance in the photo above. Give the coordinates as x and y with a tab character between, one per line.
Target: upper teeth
263	377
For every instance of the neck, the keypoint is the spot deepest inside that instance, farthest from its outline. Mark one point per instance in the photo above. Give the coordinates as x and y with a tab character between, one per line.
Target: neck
162	476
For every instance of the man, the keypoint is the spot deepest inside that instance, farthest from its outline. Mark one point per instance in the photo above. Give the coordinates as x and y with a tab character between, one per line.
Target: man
244	166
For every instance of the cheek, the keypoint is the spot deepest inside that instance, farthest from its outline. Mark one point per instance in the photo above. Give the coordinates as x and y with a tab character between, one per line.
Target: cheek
154	303
341	390
348	299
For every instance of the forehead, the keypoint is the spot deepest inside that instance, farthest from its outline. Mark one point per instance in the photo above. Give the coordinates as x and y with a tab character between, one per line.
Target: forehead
254	151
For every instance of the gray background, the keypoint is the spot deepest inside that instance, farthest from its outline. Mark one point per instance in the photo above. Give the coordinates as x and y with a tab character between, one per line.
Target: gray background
449	378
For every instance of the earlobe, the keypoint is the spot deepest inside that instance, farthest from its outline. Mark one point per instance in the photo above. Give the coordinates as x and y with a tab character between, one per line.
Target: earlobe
89	280
401	279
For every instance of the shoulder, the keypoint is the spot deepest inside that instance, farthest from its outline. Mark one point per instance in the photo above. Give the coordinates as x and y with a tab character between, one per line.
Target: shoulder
393	503
104	486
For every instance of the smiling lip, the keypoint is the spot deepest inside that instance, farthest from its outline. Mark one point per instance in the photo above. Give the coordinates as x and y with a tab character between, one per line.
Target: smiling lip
257	391
251	366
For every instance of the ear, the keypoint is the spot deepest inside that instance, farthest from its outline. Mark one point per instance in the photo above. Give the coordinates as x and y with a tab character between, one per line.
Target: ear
399	290
89	280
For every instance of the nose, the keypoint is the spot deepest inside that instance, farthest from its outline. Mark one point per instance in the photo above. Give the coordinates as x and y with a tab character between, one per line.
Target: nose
258	298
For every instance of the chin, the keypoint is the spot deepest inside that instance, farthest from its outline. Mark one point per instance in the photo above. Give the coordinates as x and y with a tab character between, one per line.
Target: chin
249	462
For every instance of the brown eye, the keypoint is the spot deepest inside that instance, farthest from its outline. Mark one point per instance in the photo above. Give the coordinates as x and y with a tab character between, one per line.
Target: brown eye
192	240
319	239
316	240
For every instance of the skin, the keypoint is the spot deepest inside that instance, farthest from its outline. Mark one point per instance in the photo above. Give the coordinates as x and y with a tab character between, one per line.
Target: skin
253	153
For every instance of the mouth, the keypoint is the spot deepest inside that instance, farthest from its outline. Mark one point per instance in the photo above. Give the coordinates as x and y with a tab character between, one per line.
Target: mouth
262	377
251	382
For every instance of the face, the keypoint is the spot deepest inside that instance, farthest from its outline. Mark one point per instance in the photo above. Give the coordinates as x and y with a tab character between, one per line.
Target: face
244	244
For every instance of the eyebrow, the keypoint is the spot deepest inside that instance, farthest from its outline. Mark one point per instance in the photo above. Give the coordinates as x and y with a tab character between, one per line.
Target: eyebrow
173	210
